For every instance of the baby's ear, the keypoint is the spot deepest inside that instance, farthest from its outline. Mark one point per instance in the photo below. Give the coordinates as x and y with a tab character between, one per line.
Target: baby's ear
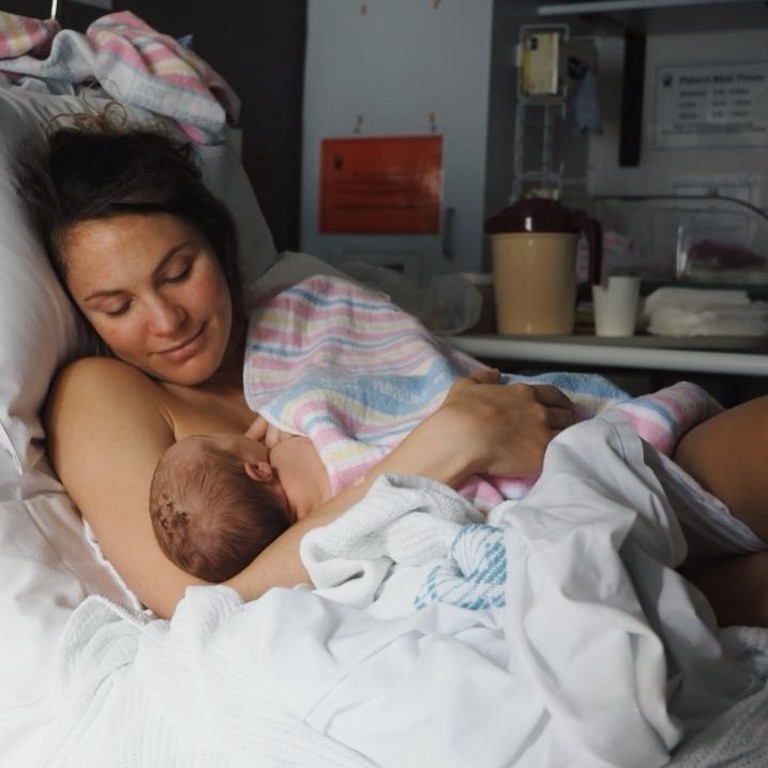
260	471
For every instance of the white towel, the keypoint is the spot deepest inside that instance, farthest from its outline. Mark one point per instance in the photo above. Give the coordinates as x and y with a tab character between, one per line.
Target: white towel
704	312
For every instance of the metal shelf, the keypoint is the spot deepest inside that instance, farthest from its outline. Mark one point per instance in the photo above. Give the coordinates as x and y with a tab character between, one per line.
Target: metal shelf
745	357
657	16
611	6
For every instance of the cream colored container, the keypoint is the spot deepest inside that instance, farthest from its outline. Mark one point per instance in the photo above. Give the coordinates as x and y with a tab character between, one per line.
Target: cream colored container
533	246
534	282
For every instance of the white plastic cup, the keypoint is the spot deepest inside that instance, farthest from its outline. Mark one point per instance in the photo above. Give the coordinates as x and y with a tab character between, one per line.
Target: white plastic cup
615	305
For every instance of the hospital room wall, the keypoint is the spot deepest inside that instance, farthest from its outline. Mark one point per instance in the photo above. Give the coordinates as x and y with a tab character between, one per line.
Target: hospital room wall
262	58
368	74
377	70
699	158
445	68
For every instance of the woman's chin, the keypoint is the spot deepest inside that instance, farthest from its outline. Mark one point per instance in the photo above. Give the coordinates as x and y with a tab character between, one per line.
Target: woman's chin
190	374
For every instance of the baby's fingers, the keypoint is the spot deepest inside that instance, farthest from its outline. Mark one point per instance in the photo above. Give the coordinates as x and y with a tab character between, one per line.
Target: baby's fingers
258	428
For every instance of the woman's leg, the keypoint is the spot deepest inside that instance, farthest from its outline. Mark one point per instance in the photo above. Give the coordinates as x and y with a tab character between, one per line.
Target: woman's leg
736	588
728	455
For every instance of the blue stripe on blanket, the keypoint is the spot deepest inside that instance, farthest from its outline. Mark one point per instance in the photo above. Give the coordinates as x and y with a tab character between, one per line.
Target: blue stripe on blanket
576	385
378	302
474	574
397	396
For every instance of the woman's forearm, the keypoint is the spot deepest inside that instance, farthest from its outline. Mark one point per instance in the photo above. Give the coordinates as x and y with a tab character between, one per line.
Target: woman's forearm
420	454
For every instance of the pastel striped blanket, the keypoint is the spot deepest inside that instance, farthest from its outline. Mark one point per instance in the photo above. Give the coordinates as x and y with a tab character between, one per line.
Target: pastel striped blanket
343	365
130	61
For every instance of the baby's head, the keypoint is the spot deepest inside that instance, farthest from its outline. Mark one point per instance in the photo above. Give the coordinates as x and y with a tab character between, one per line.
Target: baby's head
212	511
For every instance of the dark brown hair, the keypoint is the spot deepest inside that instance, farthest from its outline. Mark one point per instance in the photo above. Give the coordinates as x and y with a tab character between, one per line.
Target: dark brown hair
97	168
209	517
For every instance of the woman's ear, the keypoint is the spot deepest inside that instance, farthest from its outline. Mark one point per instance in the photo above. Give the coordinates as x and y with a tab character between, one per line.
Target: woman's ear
260	471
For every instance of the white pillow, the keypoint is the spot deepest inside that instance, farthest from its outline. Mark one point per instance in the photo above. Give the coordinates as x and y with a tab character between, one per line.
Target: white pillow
224	174
39	329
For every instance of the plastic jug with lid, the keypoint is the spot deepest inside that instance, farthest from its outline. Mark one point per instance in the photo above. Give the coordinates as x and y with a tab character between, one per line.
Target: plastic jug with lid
533	246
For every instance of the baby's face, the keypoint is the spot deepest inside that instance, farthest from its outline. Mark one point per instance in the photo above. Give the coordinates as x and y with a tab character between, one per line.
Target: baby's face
296	467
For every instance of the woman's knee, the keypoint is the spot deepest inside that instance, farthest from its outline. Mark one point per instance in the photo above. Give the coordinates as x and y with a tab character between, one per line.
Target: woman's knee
728	456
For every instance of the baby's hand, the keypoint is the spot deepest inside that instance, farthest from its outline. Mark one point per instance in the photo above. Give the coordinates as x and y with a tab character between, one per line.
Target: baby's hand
264	432
258	429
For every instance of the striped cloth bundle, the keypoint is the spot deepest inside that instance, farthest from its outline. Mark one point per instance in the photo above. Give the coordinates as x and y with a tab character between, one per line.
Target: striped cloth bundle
343	365
129	61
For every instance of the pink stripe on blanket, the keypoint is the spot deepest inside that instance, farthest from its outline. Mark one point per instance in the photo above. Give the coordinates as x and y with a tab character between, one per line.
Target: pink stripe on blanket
313	314
127	38
655	433
486	494
21	35
663	417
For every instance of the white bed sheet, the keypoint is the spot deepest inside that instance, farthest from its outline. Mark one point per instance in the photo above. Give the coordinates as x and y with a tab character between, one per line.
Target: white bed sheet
327	678
47	567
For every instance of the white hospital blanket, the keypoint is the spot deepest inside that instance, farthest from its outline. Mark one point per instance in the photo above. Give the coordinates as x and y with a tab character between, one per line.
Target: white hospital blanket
583	648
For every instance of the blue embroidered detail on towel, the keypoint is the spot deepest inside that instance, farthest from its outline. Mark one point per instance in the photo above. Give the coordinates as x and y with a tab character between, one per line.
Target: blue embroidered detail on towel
474	575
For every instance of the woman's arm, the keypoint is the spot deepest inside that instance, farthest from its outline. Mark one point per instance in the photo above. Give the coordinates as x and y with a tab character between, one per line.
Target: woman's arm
480	428
106	429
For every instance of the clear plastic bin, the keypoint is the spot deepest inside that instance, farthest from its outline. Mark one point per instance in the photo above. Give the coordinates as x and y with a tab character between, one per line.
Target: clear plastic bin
713	240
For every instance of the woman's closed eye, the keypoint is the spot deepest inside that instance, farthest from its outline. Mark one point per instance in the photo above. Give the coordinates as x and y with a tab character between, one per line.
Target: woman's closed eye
179	276
117	310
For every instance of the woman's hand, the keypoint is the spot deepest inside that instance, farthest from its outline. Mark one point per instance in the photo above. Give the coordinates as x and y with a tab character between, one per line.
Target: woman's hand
501	429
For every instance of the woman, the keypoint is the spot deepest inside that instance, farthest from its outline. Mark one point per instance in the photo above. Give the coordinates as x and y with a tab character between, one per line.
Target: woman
149	258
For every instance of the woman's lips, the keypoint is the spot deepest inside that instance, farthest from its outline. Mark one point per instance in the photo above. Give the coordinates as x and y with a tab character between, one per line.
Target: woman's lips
185	350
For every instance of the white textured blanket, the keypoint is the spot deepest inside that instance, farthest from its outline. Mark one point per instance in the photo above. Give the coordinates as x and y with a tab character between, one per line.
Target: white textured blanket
558	635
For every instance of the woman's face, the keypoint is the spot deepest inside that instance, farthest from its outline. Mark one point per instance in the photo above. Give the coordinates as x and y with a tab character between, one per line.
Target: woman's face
152	289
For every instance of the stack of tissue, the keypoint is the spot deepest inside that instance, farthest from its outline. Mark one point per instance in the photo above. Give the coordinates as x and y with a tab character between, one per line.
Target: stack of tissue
703	312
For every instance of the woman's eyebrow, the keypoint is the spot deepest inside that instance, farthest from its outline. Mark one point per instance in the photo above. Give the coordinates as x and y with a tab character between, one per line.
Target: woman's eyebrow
103	294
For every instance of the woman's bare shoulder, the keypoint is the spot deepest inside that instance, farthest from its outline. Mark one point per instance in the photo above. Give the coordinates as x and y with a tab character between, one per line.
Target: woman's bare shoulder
103	404
92	383
97	372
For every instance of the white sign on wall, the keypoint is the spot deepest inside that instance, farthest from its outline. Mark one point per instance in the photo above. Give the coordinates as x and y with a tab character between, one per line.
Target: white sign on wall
711	106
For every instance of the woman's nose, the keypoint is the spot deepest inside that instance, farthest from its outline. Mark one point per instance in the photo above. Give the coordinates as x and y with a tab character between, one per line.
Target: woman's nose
165	316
